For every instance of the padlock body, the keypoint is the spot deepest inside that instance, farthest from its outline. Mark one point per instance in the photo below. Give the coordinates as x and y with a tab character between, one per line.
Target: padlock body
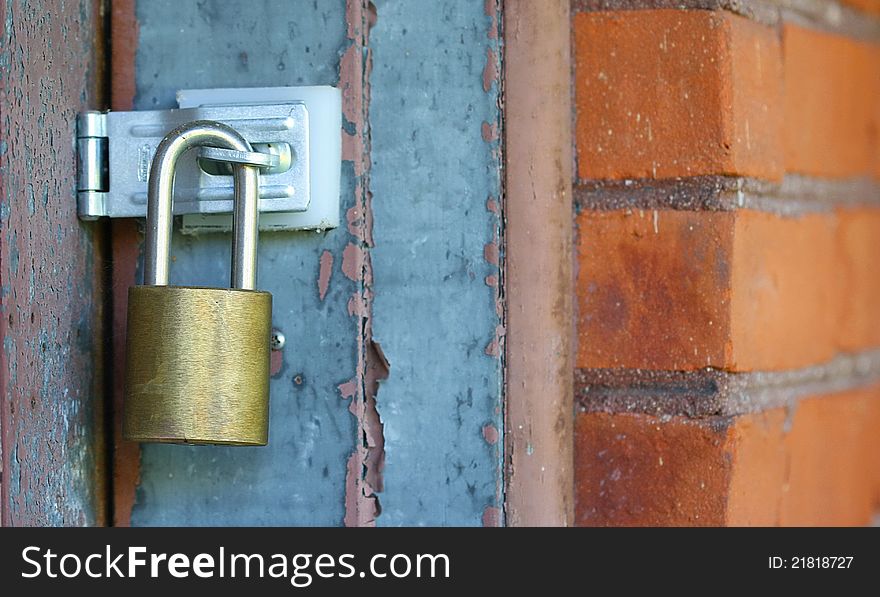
197	365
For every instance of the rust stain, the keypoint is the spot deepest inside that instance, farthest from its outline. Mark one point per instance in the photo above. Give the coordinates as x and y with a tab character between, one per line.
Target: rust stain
360	223
367	231
367	461
491	252
125	251
351	80
357	305
357	513
125	33
325	270
374	436
351	84
352	148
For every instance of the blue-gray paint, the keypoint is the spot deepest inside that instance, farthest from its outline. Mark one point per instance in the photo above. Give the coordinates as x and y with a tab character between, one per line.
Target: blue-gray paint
52	451
299	479
433	313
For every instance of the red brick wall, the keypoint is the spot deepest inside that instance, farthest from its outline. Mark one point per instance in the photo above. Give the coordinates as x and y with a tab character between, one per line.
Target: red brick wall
728	288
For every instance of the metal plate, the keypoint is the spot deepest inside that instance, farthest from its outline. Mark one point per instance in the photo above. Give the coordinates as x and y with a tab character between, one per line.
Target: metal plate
324	105
134	136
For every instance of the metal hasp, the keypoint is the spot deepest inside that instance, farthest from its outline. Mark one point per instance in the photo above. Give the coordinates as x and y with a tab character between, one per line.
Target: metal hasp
197	359
115	149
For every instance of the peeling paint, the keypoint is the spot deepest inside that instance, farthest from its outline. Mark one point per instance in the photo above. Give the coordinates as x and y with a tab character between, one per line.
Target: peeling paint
492	517
494	347
492	252
490	132
490	434
324	273
353	259
435	147
490	71
364	476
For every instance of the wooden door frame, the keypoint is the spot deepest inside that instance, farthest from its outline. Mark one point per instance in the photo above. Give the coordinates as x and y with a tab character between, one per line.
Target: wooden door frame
539	254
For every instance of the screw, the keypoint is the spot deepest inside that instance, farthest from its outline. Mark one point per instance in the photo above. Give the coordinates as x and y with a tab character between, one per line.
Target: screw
277	340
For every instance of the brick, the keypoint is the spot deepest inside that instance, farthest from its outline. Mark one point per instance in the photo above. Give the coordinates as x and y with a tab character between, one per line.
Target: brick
636	470
870	6
875	126
665	93
832	104
784	296
857	266
814	464
681	290
654	289
741	290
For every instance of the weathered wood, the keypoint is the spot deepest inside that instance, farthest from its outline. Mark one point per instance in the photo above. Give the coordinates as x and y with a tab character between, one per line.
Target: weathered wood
540	316
51	269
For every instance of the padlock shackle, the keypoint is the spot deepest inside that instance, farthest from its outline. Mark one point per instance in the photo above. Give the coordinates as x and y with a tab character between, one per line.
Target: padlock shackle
160	202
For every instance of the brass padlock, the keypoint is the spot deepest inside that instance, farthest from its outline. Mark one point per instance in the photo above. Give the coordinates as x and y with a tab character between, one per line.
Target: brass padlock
197	365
